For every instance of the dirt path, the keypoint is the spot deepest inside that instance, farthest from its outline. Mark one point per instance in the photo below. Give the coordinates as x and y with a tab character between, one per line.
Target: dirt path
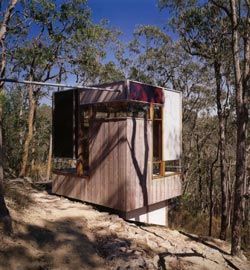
56	233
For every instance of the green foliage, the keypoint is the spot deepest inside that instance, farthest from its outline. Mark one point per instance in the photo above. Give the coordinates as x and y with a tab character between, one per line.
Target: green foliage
68	43
15	127
17	195
13	124
43	129
2	98
55	40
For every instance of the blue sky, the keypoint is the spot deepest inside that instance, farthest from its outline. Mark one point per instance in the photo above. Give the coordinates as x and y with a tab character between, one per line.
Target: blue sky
127	14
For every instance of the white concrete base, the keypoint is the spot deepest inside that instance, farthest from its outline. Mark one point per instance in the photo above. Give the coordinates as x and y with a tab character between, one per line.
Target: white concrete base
159	217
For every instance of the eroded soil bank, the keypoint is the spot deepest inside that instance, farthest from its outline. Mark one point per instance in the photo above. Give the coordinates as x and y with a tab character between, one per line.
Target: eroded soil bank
52	232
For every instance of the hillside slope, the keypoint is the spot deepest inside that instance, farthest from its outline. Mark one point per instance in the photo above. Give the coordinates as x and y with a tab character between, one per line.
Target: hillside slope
52	232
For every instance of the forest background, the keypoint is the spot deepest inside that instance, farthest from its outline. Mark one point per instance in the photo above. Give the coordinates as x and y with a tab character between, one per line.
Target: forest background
207	59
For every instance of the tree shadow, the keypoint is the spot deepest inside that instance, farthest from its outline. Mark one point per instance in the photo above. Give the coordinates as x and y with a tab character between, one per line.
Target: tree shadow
43	186
141	173
19	257
107	147
60	244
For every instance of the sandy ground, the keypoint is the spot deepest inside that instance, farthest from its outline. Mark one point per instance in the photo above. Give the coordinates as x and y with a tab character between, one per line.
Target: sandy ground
52	232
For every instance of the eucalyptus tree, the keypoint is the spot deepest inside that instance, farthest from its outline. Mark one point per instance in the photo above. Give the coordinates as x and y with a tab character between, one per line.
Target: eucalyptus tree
224	26
154	58
239	14
61	42
40	57
87	54
5	20
204	34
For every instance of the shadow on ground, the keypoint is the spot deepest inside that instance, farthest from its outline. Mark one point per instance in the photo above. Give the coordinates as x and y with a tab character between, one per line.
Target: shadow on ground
60	244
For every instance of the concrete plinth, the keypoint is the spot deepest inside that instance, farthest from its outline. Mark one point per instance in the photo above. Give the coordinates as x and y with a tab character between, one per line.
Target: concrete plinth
158	217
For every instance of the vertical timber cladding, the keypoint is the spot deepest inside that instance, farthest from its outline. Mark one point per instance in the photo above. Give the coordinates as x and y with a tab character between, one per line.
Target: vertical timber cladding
64	123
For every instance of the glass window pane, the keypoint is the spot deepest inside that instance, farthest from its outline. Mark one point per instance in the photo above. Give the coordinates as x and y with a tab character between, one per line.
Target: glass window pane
157	112
172	166
156	169
119	109
157	140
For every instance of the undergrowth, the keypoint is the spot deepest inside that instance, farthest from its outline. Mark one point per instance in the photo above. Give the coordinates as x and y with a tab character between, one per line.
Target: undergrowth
17	194
185	218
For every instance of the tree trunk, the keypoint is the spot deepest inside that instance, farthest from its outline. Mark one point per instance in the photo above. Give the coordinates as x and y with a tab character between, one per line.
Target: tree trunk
200	197
239	182
7	16
33	148
242	120
222	154
4	212
49	159
29	135
211	191
230	193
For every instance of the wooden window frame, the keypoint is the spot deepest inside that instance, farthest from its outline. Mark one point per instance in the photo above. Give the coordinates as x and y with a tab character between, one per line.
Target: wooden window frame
152	118
163	173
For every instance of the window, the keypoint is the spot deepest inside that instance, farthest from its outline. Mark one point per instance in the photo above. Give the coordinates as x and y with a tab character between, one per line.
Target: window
172	167
103	111
161	168
156	117
64	164
82	166
118	109
84	123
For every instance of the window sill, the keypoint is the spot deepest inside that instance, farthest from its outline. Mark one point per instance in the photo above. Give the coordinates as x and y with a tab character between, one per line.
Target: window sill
168	174
71	172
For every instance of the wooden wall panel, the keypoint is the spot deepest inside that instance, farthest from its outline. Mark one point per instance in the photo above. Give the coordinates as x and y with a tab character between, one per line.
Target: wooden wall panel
68	185
138	154
129	186
95	161
94	96
108	152
157	190
112	182
119	152
105	163
165	188
122	162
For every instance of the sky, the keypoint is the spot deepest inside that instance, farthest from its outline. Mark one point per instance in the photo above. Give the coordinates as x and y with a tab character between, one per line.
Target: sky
127	14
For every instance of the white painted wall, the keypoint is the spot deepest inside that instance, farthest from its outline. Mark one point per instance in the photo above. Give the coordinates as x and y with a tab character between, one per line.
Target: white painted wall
172	125
159	217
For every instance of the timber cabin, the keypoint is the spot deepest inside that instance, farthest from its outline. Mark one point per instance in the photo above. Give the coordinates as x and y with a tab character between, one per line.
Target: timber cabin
120	149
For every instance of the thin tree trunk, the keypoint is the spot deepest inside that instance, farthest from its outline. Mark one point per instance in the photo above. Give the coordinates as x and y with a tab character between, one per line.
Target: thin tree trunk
33	149
49	159
242	120
6	19
20	119
222	154
29	135
230	194
211	188
199	172
4	212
